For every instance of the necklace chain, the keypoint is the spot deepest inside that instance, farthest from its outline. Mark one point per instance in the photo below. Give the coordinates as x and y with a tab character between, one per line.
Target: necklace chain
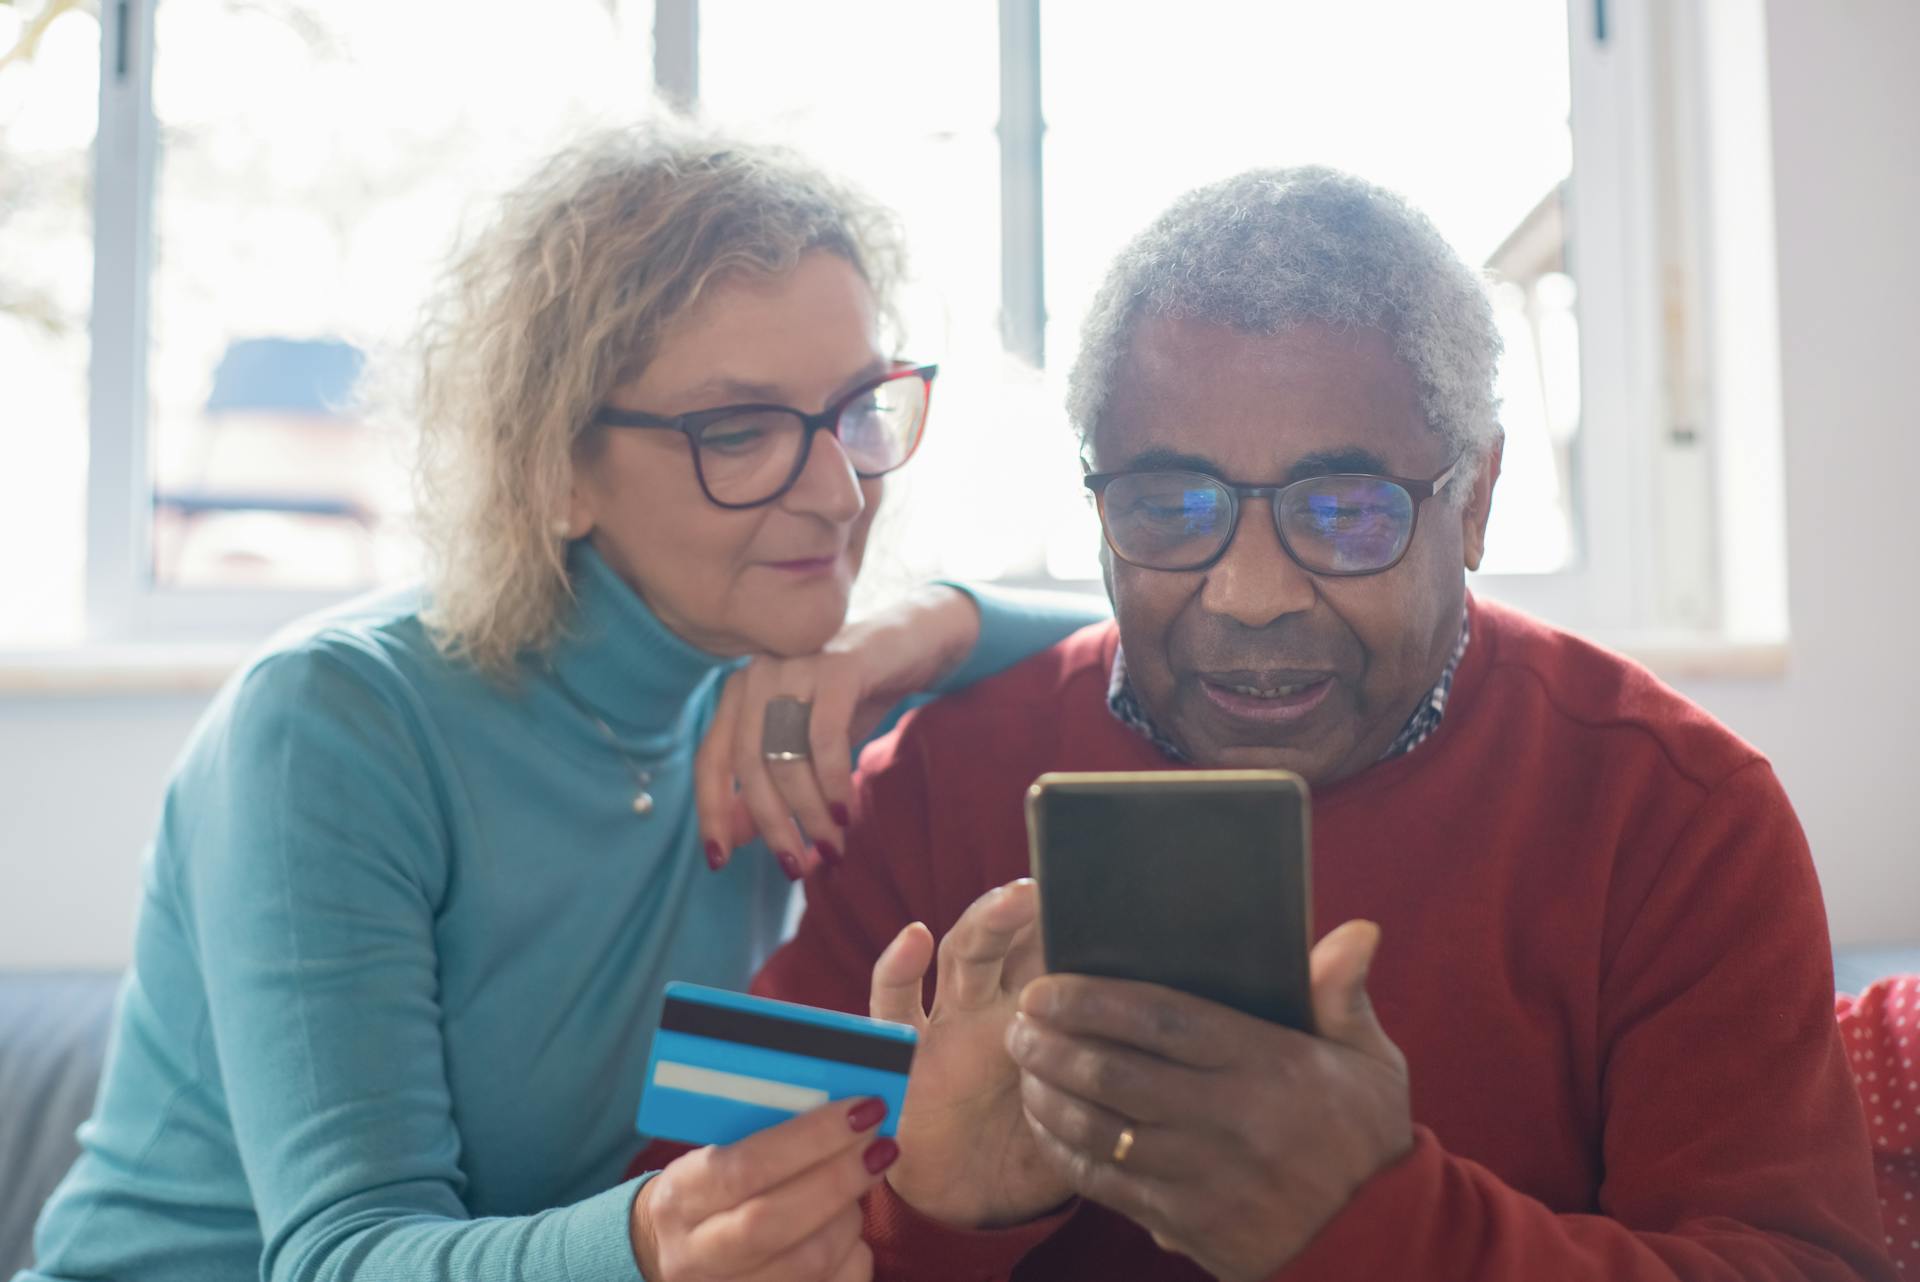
642	779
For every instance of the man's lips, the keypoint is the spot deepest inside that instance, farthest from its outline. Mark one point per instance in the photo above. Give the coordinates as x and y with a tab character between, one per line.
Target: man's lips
1268	695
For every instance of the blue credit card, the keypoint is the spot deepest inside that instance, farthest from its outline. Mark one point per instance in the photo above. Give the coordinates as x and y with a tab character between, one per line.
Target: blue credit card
725	1065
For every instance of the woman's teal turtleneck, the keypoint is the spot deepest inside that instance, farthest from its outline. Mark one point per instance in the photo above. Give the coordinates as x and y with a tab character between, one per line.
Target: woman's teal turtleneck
400	950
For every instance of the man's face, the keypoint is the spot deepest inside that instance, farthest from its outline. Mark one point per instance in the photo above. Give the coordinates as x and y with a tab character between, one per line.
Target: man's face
1254	661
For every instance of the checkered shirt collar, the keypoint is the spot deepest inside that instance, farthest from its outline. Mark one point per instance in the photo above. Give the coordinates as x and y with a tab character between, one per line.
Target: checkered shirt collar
1124	702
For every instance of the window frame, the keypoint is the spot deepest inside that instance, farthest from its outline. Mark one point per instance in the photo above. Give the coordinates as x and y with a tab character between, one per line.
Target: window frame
1644	566
1612	229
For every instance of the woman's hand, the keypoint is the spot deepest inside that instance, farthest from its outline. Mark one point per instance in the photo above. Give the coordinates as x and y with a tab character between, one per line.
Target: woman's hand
784	1203
971	1159
800	807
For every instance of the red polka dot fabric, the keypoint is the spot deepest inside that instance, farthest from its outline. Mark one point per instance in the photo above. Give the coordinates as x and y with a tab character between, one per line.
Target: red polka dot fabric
1881	1029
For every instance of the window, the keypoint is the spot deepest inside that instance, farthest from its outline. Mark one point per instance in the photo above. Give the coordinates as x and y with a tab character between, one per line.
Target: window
1466	118
278	180
278	183
296	236
49	90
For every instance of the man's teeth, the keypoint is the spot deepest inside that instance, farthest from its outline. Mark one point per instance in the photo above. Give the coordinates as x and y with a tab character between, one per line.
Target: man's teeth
1272	692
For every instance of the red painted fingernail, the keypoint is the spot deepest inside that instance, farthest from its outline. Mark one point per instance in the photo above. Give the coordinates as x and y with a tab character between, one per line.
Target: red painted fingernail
840	815
788	864
716	857
880	1155
866	1115
829	852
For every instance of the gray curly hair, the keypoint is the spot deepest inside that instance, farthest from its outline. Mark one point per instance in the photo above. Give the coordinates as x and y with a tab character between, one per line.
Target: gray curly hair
563	298
1271	248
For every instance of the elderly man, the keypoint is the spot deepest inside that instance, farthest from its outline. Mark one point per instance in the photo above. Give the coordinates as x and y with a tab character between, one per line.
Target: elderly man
1597	1041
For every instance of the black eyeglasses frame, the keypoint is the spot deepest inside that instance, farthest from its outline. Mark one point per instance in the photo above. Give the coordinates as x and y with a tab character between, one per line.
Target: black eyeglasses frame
1418	490
692	423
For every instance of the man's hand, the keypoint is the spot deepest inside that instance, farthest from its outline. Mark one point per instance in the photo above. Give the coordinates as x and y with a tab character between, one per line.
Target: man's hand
967	1156
1247	1137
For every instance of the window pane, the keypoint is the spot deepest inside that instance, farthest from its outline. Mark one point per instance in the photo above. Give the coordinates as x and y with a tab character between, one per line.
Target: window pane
299	235
902	99
1463	109
49	103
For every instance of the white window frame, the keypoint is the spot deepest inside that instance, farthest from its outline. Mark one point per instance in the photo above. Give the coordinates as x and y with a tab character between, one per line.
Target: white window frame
1679	489
1651	454
1610	228
123	604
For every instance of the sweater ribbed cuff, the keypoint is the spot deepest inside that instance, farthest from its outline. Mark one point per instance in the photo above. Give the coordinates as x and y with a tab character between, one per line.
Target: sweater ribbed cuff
907	1244
598	1246
1360	1244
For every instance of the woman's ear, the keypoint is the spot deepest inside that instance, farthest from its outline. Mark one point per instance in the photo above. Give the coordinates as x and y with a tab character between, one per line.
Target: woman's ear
1473	514
577	521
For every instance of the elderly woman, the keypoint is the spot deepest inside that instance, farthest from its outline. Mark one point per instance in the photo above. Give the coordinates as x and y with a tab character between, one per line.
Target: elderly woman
426	865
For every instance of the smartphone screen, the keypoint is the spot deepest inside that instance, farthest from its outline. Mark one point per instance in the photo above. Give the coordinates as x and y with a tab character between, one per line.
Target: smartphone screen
1197	880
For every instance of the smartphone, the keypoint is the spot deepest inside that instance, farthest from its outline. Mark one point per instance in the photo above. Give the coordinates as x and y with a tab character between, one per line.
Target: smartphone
1197	880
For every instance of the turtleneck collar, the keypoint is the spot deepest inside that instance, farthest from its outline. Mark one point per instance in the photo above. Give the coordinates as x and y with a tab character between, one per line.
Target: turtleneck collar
618	658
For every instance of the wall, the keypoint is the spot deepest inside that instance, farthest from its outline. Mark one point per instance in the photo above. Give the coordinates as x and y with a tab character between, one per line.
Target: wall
80	784
1841	726
80	777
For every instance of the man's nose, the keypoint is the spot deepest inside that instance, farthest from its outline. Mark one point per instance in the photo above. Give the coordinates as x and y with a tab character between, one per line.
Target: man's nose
827	486
1255	582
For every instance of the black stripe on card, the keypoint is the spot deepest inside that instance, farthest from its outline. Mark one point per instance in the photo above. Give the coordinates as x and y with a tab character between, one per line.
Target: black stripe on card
697	1019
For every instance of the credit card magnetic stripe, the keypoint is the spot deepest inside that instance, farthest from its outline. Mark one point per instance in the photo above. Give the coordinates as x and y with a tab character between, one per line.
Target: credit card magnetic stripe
724	1065
778	1033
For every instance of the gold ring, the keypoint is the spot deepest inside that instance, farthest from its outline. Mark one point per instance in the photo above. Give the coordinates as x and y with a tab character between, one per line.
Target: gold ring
1123	1146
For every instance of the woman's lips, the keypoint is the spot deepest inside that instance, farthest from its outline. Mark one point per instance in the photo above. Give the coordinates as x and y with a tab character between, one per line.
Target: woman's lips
1271	703
809	568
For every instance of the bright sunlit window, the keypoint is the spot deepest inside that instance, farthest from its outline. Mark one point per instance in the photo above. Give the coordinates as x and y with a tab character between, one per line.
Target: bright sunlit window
303	169
296	237
49	88
1469	119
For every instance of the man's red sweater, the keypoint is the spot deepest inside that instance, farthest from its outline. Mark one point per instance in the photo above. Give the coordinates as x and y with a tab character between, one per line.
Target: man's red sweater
1604	955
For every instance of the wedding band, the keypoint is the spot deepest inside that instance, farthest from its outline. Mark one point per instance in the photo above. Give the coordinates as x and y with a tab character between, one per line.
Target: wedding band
1123	1146
784	730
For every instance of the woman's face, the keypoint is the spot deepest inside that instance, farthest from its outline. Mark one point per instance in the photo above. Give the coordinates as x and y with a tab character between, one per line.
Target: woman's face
772	579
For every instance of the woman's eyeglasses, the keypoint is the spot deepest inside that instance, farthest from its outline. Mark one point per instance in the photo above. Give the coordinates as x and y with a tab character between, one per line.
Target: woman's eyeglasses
1341	525
749	455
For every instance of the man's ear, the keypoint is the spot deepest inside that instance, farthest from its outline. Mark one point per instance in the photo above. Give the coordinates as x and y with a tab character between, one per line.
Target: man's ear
1473	513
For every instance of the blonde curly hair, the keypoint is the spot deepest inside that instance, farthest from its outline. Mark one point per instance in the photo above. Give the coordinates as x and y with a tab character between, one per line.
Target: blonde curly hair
561	299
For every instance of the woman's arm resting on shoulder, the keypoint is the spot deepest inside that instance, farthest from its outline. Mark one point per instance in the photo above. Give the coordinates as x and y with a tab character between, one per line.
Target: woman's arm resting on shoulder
941	638
1015	624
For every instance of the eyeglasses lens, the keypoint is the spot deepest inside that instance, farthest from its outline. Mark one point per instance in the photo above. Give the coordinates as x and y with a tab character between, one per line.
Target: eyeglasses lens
1345	524
880	428
1167	520
745	457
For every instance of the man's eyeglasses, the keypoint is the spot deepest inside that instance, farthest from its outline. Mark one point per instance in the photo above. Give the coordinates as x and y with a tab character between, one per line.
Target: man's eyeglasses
749	455
1342	525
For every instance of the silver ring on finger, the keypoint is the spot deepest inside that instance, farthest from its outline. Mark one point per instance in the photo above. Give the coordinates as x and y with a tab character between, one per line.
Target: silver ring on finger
785	729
